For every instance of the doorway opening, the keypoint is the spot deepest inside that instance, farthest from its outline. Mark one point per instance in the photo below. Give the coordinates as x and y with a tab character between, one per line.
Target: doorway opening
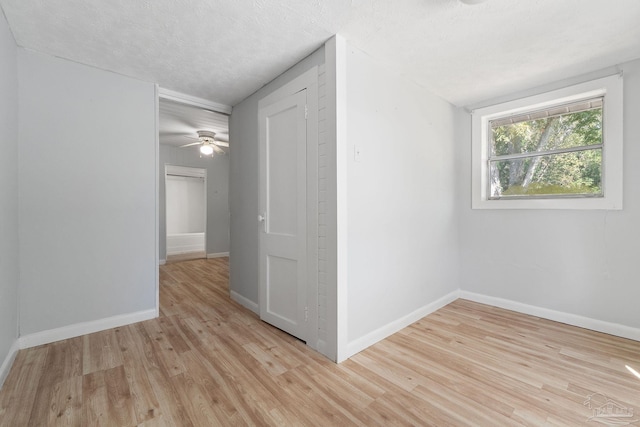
186	211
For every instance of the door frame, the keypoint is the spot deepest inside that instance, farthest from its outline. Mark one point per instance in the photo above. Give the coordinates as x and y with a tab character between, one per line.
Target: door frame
309	81
163	93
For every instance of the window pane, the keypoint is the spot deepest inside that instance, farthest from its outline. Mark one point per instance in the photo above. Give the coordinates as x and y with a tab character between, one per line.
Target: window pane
574	129
574	173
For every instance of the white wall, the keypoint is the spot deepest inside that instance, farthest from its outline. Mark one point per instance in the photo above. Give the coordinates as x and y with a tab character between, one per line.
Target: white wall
217	195
402	239
8	197
87	195
584	263
401	230
185	210
244	180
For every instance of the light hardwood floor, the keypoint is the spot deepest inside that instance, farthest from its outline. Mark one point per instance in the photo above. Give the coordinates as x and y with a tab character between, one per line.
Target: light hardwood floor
206	361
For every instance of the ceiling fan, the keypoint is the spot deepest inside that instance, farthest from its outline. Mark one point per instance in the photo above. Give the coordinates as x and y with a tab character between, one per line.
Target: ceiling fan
208	143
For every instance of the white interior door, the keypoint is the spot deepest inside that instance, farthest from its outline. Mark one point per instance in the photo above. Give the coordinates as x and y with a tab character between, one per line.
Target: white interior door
283	198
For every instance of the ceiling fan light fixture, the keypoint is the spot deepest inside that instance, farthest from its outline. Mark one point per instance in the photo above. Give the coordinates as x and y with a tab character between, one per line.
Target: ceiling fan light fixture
206	150
206	135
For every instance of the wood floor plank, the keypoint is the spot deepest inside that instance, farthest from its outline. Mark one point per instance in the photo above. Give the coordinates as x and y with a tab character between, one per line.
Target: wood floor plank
172	411
145	402
65	404
201	410
169	359
455	363
58	395
107	399
208	361
101	351
173	335
23	383
245	392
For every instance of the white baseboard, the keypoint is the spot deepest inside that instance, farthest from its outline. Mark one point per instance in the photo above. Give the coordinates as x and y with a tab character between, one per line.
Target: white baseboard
557	316
83	328
218	255
246	303
162	261
371	338
8	362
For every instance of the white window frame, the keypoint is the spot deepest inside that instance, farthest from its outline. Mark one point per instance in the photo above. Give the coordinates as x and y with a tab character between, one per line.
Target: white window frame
612	90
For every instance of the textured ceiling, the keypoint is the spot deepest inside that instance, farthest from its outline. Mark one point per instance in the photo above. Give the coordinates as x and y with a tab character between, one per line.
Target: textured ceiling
225	50
178	123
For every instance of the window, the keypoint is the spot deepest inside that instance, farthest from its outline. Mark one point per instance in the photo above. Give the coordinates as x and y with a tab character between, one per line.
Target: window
557	150
553	152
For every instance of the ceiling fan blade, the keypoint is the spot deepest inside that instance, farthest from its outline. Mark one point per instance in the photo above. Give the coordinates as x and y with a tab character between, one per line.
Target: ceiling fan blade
222	136
219	143
217	149
190	145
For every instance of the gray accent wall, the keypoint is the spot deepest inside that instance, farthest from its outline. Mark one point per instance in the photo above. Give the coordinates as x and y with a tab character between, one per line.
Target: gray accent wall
8	196
88	161
217	195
